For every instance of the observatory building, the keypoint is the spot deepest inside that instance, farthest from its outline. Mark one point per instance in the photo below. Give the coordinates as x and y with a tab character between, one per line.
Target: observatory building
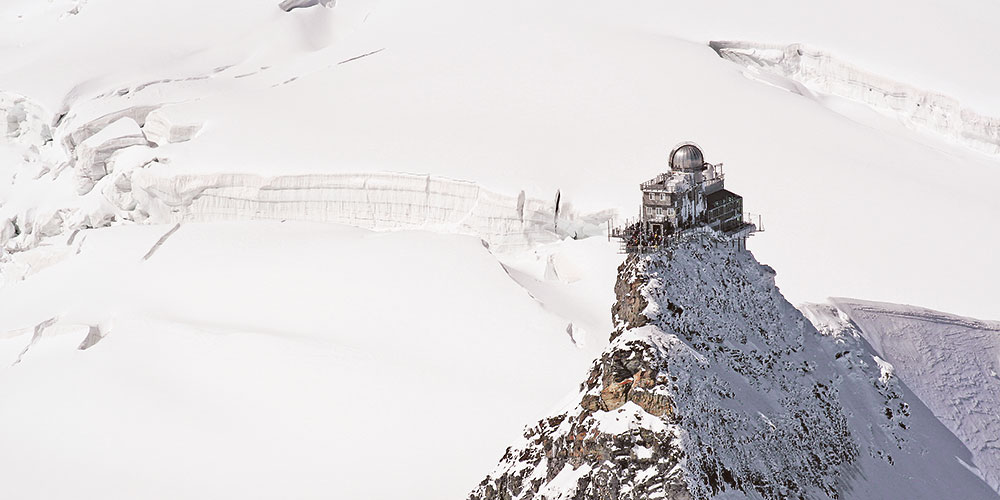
692	193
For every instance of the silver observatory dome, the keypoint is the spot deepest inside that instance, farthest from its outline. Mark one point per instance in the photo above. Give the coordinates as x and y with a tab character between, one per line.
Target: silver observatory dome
687	157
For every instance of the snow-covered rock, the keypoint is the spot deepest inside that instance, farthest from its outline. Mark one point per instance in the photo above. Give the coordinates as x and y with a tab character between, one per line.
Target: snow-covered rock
716	386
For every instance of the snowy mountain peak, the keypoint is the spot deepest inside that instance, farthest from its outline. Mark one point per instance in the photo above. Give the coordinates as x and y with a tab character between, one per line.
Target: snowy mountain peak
715	385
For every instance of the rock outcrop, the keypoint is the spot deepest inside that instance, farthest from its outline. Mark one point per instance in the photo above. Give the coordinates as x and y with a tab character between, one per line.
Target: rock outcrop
714	385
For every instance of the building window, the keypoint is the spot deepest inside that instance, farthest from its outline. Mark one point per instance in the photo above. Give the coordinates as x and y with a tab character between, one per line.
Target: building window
652	196
663	196
659	211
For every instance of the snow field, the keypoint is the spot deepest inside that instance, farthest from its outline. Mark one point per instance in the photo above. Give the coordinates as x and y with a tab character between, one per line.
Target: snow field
273	359
575	98
824	73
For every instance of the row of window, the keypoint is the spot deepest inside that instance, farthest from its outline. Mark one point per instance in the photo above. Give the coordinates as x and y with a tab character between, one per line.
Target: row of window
726	201
663	196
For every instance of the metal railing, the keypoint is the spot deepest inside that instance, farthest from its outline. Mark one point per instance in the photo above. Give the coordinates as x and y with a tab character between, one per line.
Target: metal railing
636	236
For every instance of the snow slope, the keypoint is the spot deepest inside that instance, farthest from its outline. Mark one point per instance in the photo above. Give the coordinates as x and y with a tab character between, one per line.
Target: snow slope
950	362
267	360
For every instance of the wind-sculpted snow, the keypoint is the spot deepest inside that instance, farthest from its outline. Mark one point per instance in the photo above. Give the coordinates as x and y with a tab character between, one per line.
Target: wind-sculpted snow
824	73
950	362
714	385
379	201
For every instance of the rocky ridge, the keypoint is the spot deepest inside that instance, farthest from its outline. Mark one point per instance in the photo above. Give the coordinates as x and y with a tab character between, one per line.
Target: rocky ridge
714	385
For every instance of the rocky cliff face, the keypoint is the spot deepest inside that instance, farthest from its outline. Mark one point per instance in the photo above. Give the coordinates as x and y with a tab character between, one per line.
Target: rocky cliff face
714	385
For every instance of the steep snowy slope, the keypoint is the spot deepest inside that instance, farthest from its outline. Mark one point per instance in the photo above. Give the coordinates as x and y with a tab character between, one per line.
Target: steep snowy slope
715	386
950	362
274	360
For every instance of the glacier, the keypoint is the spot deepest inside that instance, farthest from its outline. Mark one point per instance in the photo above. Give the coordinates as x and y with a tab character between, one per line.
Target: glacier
823	72
377	201
318	251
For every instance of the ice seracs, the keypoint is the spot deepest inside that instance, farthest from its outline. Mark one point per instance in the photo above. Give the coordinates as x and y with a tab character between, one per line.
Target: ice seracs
822	72
379	201
290	5
161	128
94	154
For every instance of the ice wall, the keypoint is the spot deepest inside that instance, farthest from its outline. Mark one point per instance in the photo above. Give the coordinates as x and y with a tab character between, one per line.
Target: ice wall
110	169
93	155
822	72
378	201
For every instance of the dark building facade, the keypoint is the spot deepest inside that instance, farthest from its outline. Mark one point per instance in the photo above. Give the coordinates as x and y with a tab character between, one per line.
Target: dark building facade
692	193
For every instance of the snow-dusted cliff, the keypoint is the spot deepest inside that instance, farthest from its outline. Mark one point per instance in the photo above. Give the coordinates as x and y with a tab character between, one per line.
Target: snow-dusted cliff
714	385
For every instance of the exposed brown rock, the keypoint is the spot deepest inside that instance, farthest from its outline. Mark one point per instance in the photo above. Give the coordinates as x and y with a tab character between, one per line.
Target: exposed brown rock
627	311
